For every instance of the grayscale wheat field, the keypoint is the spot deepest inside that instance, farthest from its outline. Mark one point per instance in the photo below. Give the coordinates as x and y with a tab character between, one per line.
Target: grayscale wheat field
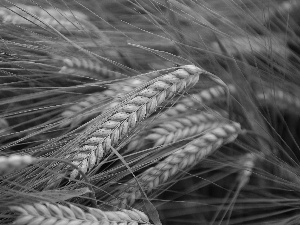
149	112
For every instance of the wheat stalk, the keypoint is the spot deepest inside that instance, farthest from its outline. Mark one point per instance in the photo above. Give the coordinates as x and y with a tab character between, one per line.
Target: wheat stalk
14	162
54	214
129	113
183	127
198	100
182	159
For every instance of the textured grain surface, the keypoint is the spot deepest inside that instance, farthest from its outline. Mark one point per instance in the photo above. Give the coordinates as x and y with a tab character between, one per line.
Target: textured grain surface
87	67
279	98
180	160
199	100
183	127
130	113
56	214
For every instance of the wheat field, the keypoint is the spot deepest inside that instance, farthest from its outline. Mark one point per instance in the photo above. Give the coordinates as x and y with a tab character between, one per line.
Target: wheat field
149	112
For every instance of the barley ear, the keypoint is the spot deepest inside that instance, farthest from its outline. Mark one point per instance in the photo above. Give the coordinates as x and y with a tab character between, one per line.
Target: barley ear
129	113
14	162
182	159
247	163
54	214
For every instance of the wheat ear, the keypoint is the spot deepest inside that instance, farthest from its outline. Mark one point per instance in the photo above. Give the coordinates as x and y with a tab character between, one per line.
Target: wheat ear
247	163
129	113
198	100
249	45
14	162
79	107
182	159
135	144
283	100
58	19
56	214
64	21
85	103
115	90
83	63
183	127
94	69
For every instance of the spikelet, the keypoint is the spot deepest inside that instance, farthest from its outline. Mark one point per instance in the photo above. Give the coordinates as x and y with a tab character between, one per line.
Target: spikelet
136	143
130	113
279	98
183	127
247	163
14	162
82	63
197	100
94	69
182	159
128	84
54	214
